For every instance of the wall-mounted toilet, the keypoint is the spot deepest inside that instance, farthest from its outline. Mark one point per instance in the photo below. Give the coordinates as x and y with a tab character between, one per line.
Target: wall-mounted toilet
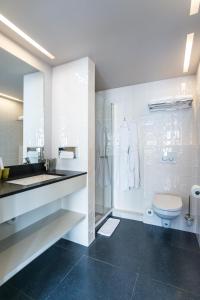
167	207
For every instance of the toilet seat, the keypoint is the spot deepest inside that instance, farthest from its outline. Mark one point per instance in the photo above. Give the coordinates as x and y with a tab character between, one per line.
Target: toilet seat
167	202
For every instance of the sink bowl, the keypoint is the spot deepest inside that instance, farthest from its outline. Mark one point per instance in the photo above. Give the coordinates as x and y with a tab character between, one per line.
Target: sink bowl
34	179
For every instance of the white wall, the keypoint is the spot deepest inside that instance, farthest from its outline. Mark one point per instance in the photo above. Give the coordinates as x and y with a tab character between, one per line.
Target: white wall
73	119
156	131
198	124
33	122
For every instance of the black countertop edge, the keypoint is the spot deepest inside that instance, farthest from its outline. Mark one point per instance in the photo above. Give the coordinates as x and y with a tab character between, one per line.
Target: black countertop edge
8	189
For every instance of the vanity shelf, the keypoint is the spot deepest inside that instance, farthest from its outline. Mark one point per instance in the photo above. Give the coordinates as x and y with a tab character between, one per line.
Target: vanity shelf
21	248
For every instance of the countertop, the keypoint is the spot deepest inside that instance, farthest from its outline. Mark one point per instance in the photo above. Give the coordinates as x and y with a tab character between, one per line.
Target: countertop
8	189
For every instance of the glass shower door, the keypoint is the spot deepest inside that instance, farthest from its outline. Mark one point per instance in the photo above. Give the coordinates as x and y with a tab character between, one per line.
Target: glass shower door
104	159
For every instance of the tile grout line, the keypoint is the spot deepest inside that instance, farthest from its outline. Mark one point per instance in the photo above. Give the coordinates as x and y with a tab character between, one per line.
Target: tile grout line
20	291
104	262
134	286
174	286
109	264
65	276
26	295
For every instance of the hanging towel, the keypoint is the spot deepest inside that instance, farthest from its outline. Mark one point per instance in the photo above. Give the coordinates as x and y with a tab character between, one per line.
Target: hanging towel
129	177
135	155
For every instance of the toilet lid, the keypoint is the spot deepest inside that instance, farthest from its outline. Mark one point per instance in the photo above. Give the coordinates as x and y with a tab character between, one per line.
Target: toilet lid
167	202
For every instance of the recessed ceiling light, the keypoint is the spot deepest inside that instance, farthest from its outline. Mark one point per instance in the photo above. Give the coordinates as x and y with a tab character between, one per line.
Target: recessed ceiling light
188	51
194	8
25	36
5	96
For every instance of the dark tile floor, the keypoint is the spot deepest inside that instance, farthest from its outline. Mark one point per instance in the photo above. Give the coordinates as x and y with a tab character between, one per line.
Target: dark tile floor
138	262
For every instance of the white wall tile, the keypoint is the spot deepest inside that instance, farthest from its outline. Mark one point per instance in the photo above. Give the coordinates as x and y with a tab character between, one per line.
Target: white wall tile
198	130
175	131
73	120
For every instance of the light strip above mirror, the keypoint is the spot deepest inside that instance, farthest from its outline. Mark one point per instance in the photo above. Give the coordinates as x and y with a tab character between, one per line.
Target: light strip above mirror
8	97
194	8
188	51
13	27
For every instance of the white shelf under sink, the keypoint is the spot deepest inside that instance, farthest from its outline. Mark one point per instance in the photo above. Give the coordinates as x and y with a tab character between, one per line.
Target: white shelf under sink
21	248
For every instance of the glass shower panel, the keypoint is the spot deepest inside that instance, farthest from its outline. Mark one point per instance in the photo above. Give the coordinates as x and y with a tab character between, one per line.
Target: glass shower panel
104	157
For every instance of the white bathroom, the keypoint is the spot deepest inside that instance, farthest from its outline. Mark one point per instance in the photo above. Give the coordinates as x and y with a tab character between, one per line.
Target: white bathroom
99	150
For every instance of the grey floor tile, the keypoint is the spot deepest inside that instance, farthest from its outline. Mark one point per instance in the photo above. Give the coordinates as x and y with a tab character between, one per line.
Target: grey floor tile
123	248
171	237
168	256
117	253
175	266
70	246
148	289
94	280
8	292
43	275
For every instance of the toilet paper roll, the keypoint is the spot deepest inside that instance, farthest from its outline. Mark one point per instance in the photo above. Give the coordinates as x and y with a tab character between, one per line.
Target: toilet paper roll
195	191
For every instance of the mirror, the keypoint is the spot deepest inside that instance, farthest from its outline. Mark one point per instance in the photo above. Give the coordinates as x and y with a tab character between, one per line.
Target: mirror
21	111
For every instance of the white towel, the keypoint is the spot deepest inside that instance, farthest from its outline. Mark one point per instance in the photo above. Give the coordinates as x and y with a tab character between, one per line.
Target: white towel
135	154
129	175
66	155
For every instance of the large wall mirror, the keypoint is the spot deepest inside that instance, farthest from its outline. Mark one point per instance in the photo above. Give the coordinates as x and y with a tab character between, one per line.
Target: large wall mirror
21	111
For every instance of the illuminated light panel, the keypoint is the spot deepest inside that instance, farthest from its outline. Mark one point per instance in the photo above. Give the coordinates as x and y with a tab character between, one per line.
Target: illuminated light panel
5	96
188	51
13	27
194	8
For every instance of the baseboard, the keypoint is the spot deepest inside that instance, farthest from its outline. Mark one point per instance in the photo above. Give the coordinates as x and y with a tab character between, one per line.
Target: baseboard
131	215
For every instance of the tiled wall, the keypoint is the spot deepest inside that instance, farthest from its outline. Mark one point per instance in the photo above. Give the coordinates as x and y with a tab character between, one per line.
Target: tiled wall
11	131
73	124
158	131
198	136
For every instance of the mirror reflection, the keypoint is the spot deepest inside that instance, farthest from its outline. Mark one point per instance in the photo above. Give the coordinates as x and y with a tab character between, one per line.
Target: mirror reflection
21	111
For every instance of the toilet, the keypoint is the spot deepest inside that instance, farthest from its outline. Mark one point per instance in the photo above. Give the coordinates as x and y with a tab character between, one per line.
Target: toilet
167	207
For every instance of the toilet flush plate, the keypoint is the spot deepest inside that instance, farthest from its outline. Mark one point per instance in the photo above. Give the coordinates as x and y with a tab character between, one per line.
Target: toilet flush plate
168	157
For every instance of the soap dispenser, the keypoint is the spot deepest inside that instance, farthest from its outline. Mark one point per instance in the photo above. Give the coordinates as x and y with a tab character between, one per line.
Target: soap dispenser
1	167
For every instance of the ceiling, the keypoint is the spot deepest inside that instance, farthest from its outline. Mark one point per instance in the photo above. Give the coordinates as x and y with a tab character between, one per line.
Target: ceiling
130	41
12	71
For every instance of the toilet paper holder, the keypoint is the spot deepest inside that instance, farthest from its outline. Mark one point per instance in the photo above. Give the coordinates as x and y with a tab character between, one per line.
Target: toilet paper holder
195	191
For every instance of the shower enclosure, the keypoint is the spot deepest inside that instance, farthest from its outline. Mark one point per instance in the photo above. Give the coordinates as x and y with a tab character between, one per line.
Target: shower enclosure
104	158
